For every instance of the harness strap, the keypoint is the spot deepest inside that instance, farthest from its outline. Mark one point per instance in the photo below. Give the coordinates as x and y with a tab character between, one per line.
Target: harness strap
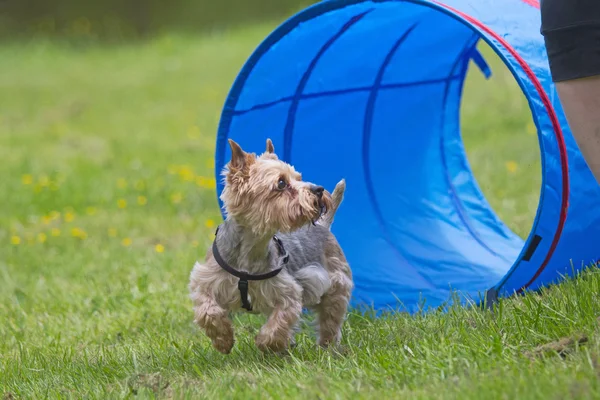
245	277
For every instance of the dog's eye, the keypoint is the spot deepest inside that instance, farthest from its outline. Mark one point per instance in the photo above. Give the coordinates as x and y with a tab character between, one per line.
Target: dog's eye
281	184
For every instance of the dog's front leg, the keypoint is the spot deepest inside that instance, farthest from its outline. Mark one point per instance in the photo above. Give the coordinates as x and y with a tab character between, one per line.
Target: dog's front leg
277	333
214	320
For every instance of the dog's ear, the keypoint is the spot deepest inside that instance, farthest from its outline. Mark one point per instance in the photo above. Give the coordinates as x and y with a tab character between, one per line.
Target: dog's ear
238	156
270	147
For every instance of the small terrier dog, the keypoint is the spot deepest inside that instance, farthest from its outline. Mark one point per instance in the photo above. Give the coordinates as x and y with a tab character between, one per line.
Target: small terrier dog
274	250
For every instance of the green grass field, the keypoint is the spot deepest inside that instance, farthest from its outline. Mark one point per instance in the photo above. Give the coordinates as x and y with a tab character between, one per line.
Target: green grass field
108	196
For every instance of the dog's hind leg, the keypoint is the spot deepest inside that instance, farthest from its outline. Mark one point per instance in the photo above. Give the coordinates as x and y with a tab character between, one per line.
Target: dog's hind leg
334	304
332	310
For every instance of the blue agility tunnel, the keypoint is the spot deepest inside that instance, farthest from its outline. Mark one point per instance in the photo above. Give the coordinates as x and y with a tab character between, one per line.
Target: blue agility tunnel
370	91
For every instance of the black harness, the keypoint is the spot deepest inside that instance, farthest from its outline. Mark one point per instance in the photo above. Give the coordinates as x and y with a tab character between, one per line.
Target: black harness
245	277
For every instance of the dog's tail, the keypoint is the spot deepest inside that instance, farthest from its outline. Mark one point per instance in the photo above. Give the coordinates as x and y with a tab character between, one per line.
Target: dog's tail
336	199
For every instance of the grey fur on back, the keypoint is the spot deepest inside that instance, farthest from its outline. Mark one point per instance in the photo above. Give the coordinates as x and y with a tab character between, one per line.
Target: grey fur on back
305	246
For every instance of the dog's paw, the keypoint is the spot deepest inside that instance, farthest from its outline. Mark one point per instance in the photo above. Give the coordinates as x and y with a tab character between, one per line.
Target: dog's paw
268	343
223	344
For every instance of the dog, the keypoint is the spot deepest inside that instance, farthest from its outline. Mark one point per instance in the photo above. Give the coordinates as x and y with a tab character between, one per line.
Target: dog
274	254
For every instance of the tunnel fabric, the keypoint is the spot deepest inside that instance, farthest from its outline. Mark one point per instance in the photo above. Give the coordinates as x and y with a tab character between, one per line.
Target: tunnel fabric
370	91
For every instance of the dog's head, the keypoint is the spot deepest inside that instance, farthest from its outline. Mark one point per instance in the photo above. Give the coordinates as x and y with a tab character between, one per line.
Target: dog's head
267	194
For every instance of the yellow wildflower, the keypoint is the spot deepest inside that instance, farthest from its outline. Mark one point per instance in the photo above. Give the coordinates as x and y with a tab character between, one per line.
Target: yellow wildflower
122	203
27	179
176	198
90	210
69	216
186	173
208	183
15	240
55	232
46	219
41	237
209	223
142	200
511	166
201	181
78	233
112	232
126	242
159	248
212	183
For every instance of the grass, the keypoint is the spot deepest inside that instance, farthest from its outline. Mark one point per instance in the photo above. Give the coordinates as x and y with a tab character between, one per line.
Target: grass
108	199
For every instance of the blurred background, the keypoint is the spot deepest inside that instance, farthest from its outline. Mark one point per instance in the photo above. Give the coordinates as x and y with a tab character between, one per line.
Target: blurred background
118	20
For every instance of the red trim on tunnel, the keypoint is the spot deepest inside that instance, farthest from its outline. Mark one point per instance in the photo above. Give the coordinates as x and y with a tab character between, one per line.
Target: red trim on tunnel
555	124
533	3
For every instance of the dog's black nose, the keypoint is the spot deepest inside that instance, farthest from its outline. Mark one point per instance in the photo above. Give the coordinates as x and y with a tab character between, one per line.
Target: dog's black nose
317	190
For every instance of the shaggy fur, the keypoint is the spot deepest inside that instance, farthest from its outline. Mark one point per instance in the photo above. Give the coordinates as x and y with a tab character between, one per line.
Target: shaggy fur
264	196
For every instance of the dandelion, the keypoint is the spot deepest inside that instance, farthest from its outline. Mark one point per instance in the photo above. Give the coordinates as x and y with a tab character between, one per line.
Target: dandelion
46	219
122	203
186	173
212	184
209	223
112	232
27	179
201	181
142	200
90	210
41	237
78	233
159	248
69	216
122	183
207	183
176	198
55	232
126	242
511	166
15	240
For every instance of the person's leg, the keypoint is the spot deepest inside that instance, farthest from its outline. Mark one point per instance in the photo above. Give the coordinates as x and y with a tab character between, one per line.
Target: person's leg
580	99
571	29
